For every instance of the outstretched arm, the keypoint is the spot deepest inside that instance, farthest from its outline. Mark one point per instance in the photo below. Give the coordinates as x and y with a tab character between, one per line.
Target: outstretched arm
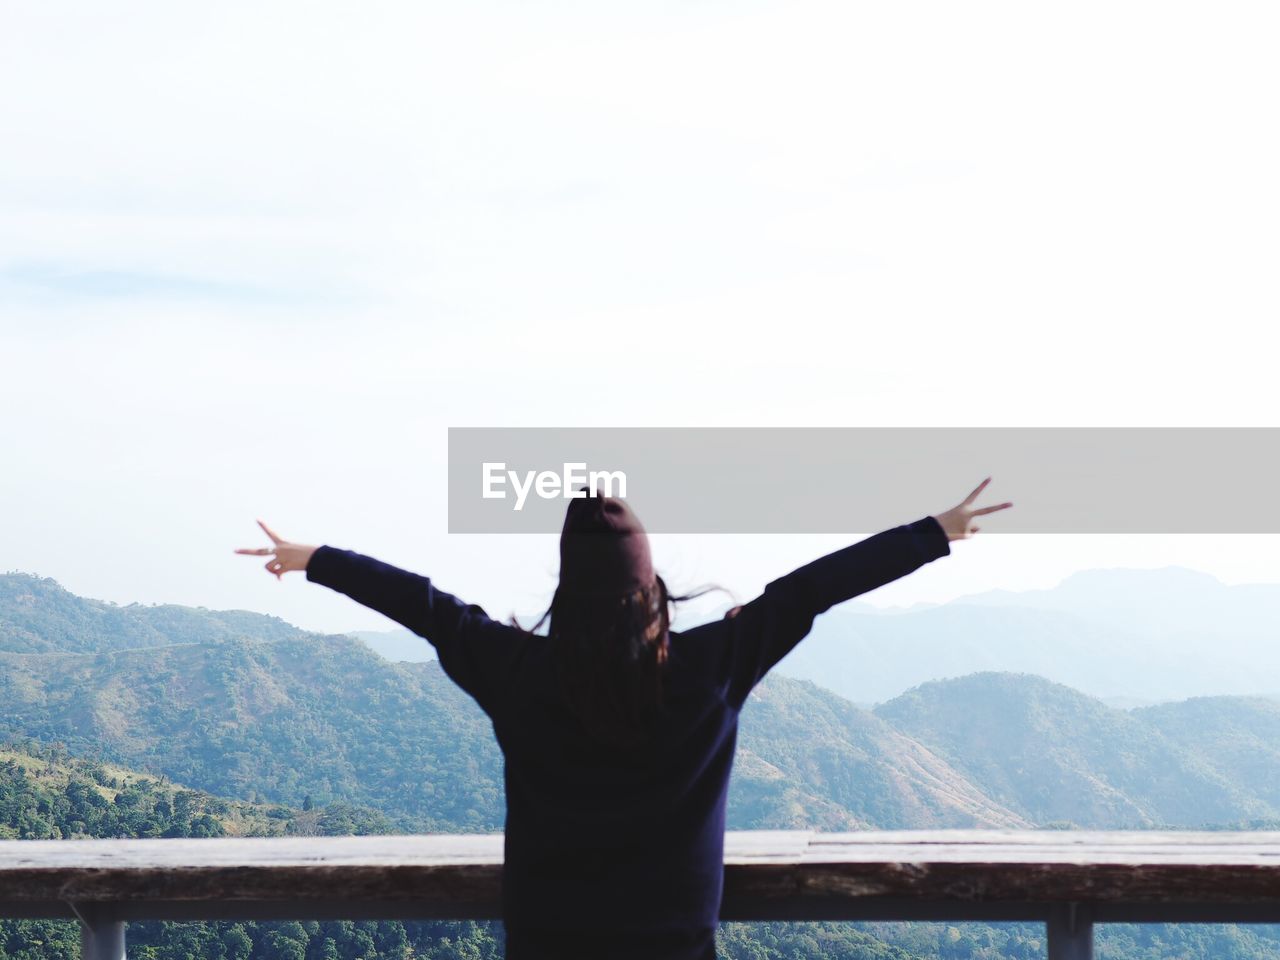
765	630
473	648
407	598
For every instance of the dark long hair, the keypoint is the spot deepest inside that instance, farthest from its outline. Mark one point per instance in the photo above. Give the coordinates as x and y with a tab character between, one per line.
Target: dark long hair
611	653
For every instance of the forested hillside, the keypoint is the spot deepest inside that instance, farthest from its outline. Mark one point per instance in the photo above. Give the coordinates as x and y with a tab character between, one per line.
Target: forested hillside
1055	755
302	714
271	720
807	758
1237	738
47	794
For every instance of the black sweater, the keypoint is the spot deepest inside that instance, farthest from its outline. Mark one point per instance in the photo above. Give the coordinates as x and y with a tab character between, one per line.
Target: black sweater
608	839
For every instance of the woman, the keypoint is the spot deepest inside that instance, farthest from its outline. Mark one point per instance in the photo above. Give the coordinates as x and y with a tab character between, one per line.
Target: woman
618	734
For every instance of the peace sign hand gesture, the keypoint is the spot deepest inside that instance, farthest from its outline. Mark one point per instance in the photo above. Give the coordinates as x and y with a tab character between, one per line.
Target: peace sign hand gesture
958	521
285	556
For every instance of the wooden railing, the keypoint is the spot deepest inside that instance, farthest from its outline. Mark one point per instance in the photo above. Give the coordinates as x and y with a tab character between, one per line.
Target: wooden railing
1068	880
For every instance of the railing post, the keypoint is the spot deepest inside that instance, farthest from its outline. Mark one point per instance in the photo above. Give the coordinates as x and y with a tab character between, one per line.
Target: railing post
101	938
1070	932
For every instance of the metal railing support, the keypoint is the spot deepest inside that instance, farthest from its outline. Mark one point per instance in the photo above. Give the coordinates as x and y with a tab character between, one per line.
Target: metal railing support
101	936
1070	932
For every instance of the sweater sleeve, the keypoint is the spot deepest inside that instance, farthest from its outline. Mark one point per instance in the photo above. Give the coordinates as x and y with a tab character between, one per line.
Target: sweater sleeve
769	627
475	651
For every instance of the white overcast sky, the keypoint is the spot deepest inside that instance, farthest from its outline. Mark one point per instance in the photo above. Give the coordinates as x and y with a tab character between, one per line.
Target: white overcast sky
256	258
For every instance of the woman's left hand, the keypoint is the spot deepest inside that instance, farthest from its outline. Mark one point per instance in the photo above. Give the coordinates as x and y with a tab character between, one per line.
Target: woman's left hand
958	523
285	556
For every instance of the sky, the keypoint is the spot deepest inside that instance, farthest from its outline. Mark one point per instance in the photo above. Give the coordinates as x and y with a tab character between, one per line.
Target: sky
256	259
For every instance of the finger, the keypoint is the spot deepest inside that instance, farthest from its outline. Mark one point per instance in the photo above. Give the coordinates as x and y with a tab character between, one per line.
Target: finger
976	490
973	530
256	551
270	533
985	510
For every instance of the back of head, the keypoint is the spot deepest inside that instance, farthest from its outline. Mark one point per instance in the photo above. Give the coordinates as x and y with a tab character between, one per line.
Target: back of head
604	550
609	621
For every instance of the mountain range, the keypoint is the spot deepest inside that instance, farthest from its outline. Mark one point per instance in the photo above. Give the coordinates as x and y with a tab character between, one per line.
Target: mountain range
1129	637
248	706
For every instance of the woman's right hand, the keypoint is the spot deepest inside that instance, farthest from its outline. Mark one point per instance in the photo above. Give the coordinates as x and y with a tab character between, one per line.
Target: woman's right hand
285	556
958	523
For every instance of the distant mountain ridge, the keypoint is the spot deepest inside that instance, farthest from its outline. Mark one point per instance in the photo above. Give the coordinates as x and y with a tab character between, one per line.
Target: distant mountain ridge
1135	636
39	615
1156	600
1138	635
398	646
